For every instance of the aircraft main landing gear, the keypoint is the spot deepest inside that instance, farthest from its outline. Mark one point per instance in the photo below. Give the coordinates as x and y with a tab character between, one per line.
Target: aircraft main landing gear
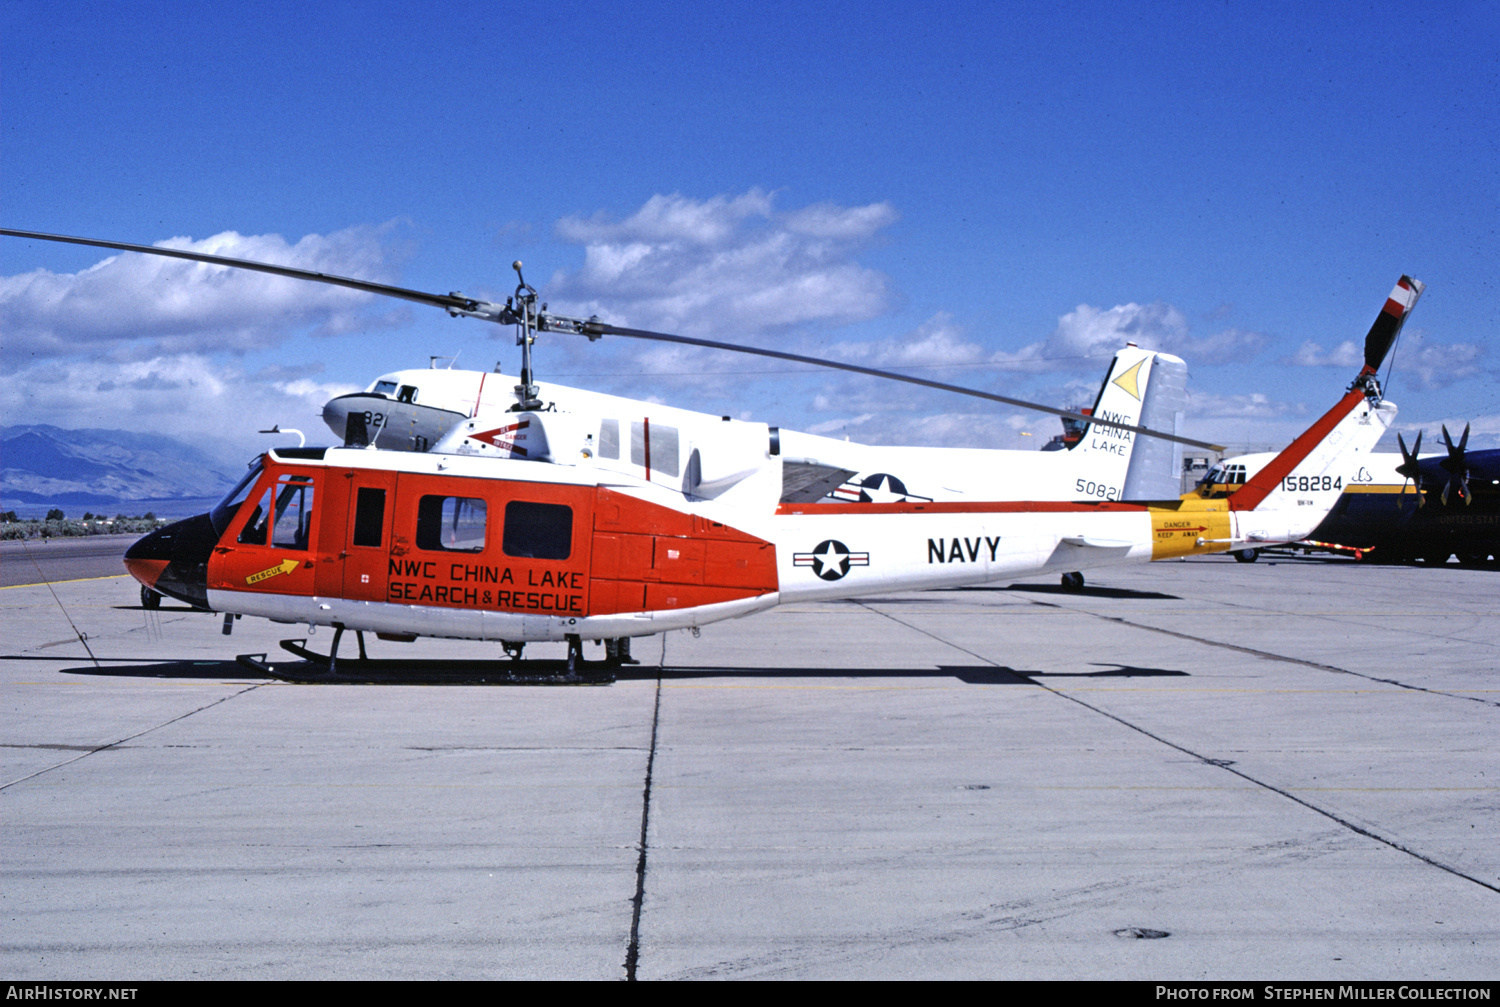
1072	582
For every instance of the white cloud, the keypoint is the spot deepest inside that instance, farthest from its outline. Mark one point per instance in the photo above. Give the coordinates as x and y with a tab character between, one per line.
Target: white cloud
727	266
1345	354
953	429
1423	365
1088	334
937	342
1254	405
216	407
142	306
1429	366
1484	432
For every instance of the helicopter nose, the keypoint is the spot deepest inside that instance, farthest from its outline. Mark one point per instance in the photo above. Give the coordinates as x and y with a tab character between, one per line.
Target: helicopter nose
345	415
174	560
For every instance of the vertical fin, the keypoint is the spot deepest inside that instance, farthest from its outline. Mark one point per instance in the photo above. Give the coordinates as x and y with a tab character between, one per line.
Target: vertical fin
1101	458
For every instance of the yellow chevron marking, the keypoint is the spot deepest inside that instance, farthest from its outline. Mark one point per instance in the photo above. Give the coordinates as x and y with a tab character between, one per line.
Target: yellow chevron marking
1130	381
285	566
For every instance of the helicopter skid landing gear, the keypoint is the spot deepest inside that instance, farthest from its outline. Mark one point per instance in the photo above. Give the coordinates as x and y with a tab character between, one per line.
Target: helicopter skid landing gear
320	669
617	652
327	667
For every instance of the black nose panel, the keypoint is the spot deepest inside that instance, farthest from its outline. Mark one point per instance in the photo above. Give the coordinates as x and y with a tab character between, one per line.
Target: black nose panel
185	547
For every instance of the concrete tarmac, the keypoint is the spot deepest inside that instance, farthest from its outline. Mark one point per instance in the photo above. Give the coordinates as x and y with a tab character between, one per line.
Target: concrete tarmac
1288	769
37	561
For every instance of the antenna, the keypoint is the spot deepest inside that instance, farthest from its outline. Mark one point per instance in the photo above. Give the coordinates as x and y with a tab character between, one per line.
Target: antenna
301	437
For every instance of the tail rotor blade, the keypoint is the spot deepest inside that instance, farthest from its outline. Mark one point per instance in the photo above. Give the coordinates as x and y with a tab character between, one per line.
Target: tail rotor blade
1388	323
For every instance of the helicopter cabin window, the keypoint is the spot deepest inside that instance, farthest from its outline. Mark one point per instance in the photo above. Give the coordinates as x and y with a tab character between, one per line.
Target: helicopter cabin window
538	530
609	439
385	388
451	524
408	393
369	516
654	447
285	511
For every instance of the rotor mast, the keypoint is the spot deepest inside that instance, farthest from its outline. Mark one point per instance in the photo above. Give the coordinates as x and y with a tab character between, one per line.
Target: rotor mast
523	307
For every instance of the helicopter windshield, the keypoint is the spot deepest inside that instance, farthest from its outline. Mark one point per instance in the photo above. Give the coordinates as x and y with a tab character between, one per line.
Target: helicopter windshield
225	509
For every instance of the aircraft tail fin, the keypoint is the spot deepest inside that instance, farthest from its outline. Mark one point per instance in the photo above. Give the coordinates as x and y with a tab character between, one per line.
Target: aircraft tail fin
1292	494
1102	455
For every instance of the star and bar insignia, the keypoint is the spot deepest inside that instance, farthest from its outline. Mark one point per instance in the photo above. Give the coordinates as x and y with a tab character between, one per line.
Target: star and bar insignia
830	559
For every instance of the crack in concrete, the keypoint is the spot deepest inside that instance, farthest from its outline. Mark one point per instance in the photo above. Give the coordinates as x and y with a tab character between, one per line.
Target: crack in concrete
1221	764
115	744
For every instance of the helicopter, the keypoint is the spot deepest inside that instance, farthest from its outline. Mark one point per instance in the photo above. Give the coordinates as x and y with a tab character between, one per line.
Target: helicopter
540	524
1400	507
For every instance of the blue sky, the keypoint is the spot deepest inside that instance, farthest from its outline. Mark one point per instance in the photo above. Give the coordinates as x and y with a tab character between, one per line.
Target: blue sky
996	194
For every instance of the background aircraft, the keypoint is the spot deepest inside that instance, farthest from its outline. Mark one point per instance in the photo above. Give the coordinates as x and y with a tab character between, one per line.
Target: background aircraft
1400	508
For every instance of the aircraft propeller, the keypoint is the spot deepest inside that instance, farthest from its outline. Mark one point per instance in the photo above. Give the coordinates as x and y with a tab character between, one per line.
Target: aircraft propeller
1456	465
1410	469
522	311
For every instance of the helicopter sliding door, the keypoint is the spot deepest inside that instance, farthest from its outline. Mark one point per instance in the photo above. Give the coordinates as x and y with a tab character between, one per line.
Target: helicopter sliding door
366	546
490	545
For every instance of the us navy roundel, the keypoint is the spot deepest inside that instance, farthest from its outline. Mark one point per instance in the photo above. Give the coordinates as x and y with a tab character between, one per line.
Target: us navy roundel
830	559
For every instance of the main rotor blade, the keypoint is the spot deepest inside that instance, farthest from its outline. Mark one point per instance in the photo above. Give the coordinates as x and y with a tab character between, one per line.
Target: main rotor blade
591	328
453	301
605	329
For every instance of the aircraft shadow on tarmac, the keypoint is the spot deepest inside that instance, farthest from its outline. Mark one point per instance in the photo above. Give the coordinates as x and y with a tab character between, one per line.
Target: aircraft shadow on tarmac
1085	592
537	673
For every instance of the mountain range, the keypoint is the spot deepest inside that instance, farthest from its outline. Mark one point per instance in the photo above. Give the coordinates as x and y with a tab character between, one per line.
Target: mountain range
115	470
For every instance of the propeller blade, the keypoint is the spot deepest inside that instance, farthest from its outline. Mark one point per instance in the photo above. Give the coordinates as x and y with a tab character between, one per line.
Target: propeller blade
1456	464
458	304
1388	323
1409	469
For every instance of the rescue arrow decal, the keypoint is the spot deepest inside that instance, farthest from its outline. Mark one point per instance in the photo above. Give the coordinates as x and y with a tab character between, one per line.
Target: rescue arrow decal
285	566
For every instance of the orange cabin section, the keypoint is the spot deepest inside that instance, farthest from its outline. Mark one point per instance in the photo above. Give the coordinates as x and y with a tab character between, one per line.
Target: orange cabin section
462	542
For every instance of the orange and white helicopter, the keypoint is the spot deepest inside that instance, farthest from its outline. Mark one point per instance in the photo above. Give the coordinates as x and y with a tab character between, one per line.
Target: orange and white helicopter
604	518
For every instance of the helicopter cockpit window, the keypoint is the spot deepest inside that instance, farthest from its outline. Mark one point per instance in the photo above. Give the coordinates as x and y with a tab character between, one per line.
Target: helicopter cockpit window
538	530
408	393
285	510
225	510
385	388
609	439
451	524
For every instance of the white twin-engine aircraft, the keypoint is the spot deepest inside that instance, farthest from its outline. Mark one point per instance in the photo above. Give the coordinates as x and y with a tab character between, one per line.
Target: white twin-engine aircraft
601	518
423	409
